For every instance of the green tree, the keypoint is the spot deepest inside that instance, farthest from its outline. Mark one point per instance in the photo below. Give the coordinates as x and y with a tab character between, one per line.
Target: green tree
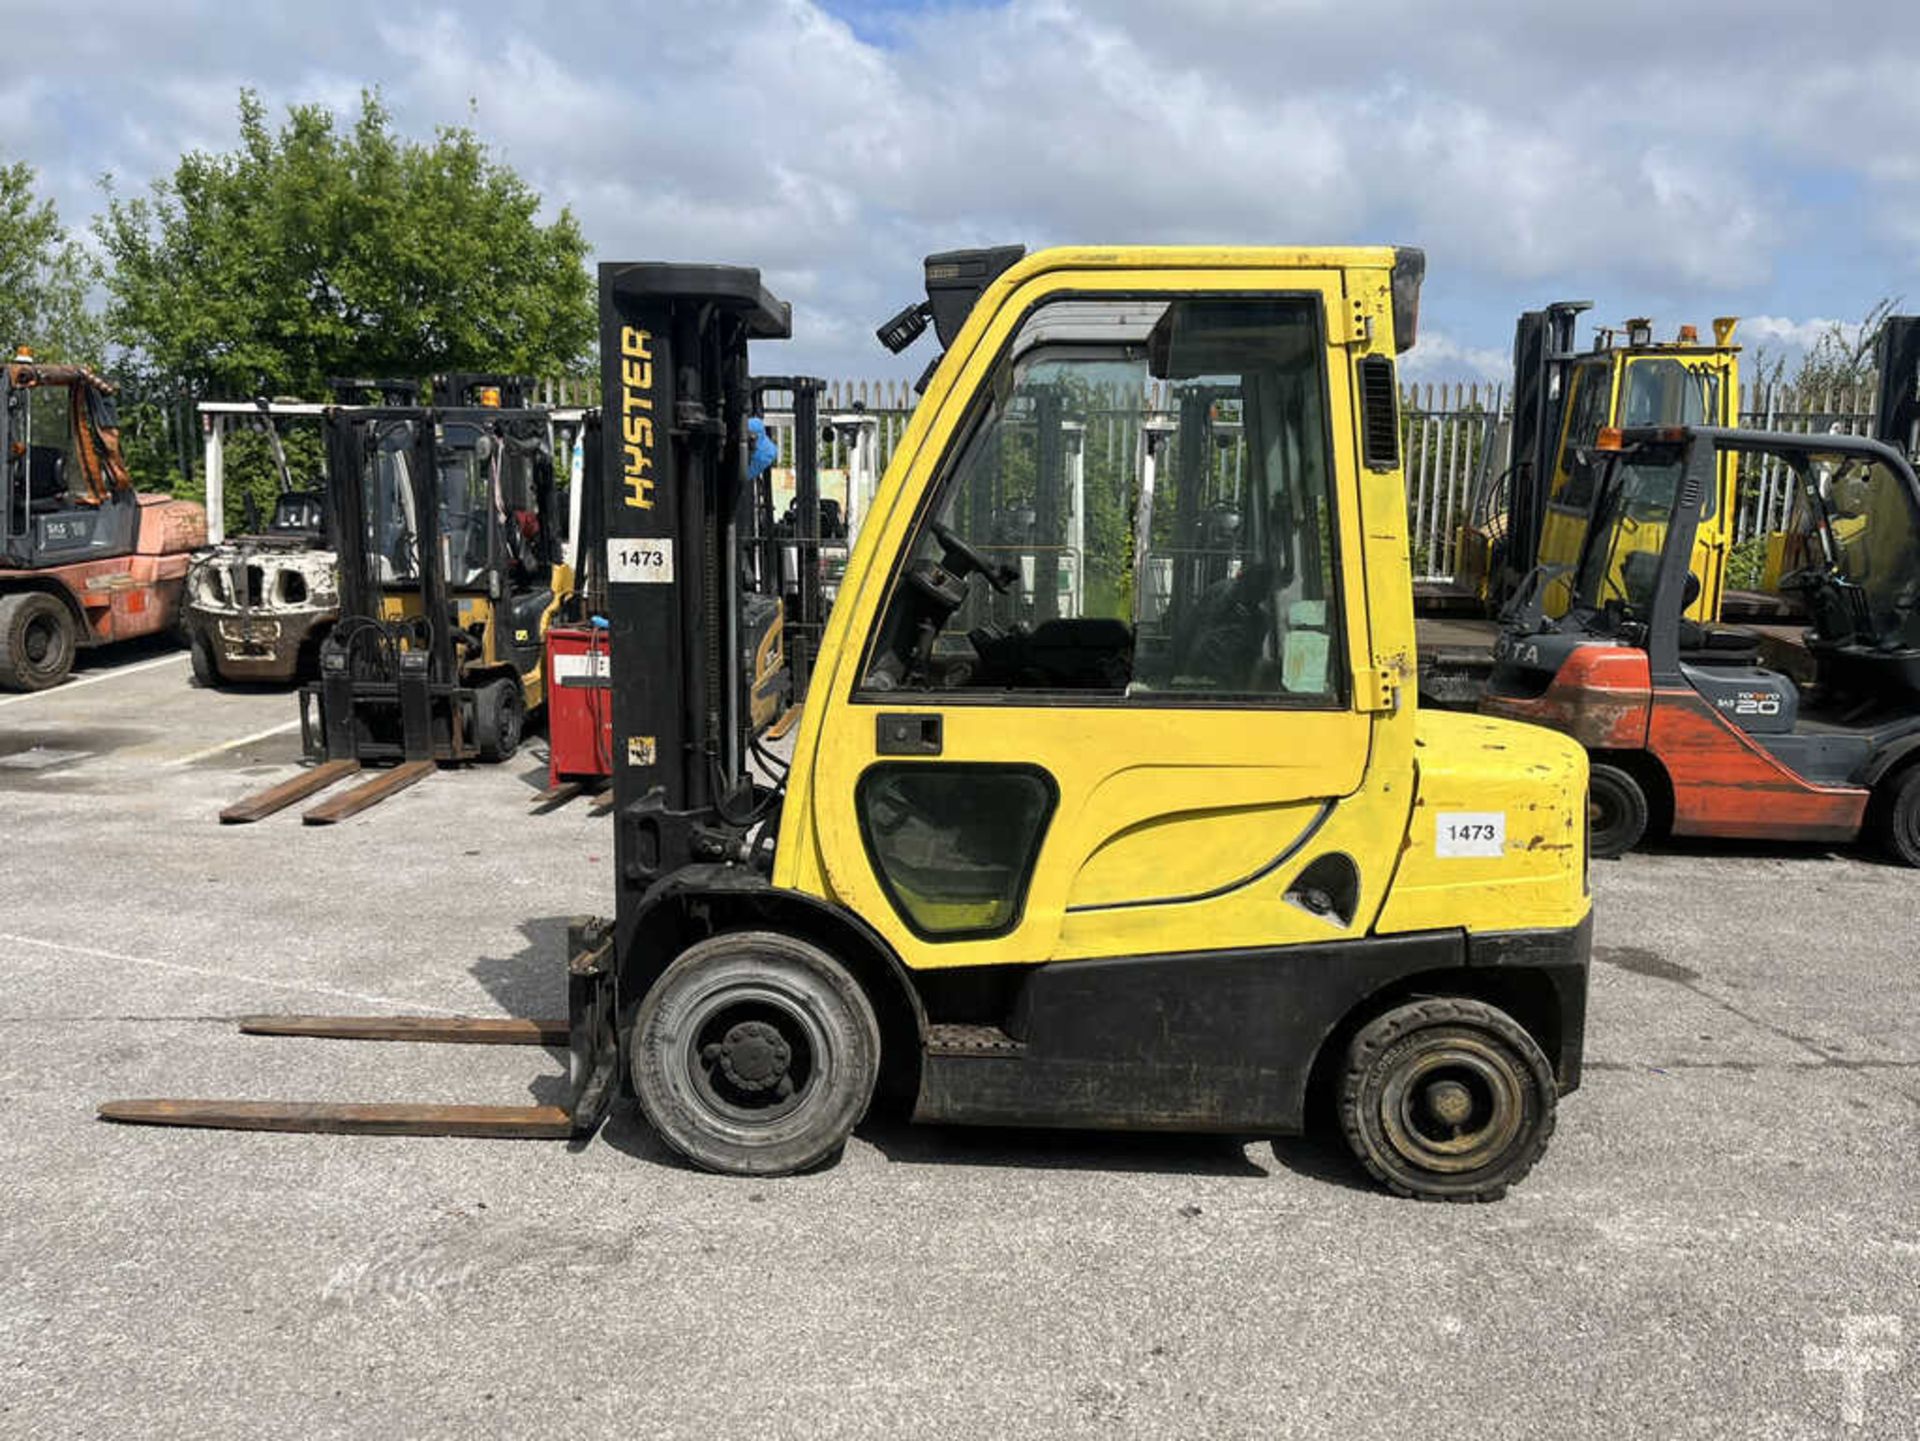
317	250
44	276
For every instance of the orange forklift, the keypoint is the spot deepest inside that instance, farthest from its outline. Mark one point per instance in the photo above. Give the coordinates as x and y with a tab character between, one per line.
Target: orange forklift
85	560
1682	724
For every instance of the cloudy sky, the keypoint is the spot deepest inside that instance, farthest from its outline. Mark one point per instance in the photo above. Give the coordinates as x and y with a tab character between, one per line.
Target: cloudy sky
1675	159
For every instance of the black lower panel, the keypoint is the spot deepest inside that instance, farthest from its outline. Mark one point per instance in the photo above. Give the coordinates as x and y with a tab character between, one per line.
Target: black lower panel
1213	1041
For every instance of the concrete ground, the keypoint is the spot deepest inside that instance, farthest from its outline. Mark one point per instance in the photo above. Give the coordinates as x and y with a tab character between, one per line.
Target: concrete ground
1724	1239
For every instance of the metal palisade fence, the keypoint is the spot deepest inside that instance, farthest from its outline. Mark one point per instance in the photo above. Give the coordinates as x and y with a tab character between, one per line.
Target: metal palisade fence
1446	432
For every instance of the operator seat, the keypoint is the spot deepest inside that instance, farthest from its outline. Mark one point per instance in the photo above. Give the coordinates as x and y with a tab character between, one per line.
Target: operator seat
1715	645
46	479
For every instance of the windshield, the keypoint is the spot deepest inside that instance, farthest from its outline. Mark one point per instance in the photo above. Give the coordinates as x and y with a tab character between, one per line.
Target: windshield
467	459
391	533
1621	561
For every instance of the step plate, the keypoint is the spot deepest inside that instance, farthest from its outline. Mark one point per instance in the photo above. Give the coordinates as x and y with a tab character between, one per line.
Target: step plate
498	1122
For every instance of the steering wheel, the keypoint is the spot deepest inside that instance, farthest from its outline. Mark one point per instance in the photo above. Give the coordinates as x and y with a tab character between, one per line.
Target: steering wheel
1806	578
997	576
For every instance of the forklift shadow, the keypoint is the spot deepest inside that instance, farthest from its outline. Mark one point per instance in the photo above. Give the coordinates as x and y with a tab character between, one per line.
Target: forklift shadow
532	981
1136	1152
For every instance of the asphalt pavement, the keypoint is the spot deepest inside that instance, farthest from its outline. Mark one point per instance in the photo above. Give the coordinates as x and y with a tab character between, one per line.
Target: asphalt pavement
1722	1241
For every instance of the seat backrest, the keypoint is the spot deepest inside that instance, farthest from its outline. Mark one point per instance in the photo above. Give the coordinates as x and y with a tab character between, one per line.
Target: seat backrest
46	472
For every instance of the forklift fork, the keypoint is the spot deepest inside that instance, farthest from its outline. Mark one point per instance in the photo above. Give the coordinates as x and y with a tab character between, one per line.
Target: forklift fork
588	1032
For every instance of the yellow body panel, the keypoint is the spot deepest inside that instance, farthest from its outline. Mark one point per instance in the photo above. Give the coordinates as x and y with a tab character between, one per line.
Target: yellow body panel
1180	827
472	610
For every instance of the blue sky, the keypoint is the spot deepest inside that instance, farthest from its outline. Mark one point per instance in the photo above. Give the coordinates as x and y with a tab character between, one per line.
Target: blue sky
1679	161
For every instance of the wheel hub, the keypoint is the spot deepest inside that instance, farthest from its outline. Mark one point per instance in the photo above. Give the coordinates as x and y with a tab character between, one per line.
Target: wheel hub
754	1056
1449	1103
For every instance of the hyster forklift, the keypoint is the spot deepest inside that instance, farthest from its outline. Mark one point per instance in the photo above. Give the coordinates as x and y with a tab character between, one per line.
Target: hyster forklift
1681	721
84	559
447	527
1525	519
1192	859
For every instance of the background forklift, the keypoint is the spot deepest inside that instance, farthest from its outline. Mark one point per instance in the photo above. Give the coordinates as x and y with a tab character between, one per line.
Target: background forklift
1684	728
84	559
447	526
1525	519
1204	865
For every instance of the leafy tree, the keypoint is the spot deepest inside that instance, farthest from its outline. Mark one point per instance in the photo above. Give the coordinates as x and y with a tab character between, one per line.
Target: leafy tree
314	251
44	275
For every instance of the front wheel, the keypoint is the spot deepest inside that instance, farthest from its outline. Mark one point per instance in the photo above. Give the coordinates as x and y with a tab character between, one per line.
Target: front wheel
1900	817
499	719
37	641
1447	1100
755	1054
206	672
1617	810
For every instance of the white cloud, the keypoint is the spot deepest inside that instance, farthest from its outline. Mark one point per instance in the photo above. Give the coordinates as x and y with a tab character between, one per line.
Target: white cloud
1641	150
1438	356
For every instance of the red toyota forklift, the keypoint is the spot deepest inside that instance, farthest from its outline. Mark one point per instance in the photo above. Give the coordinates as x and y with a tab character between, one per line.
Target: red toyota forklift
1682	723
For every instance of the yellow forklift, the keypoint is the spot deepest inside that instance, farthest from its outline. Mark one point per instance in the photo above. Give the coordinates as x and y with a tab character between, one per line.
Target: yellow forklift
1125	854
448	525
1525	518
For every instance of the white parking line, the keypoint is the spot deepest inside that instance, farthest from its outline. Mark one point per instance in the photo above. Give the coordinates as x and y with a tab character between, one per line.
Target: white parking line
173	659
307	987
238	741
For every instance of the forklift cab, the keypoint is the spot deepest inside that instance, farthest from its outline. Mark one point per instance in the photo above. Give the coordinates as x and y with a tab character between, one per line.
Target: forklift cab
66	493
445	522
1531	516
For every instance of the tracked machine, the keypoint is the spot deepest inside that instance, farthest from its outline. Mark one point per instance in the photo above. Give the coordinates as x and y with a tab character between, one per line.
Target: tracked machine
85	559
1185	857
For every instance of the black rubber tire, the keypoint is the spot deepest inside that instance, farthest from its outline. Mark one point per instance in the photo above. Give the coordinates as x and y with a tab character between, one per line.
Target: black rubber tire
37	641
206	674
1618	810
1490	1064
499	720
1898	813
736	999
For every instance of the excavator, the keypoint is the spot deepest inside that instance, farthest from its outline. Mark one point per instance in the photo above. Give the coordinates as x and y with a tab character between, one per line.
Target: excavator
85	559
1190	857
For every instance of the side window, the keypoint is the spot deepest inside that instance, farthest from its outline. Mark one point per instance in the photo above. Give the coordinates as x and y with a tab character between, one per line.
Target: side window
955	845
1587	412
1142	511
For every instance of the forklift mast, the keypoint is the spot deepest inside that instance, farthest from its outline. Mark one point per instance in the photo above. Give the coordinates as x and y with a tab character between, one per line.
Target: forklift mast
800	593
1543	345
1897	405
673	343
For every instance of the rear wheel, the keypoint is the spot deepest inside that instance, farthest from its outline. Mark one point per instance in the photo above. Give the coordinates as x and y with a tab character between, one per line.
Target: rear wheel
755	1054
1617	810
37	641
1899	814
499	720
1447	1100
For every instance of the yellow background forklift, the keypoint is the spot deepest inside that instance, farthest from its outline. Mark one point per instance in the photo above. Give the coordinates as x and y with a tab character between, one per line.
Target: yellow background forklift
447	524
1128	854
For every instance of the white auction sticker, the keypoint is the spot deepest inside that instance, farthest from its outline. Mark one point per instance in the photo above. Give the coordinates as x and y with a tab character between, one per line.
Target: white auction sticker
1470	833
640	562
592	666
